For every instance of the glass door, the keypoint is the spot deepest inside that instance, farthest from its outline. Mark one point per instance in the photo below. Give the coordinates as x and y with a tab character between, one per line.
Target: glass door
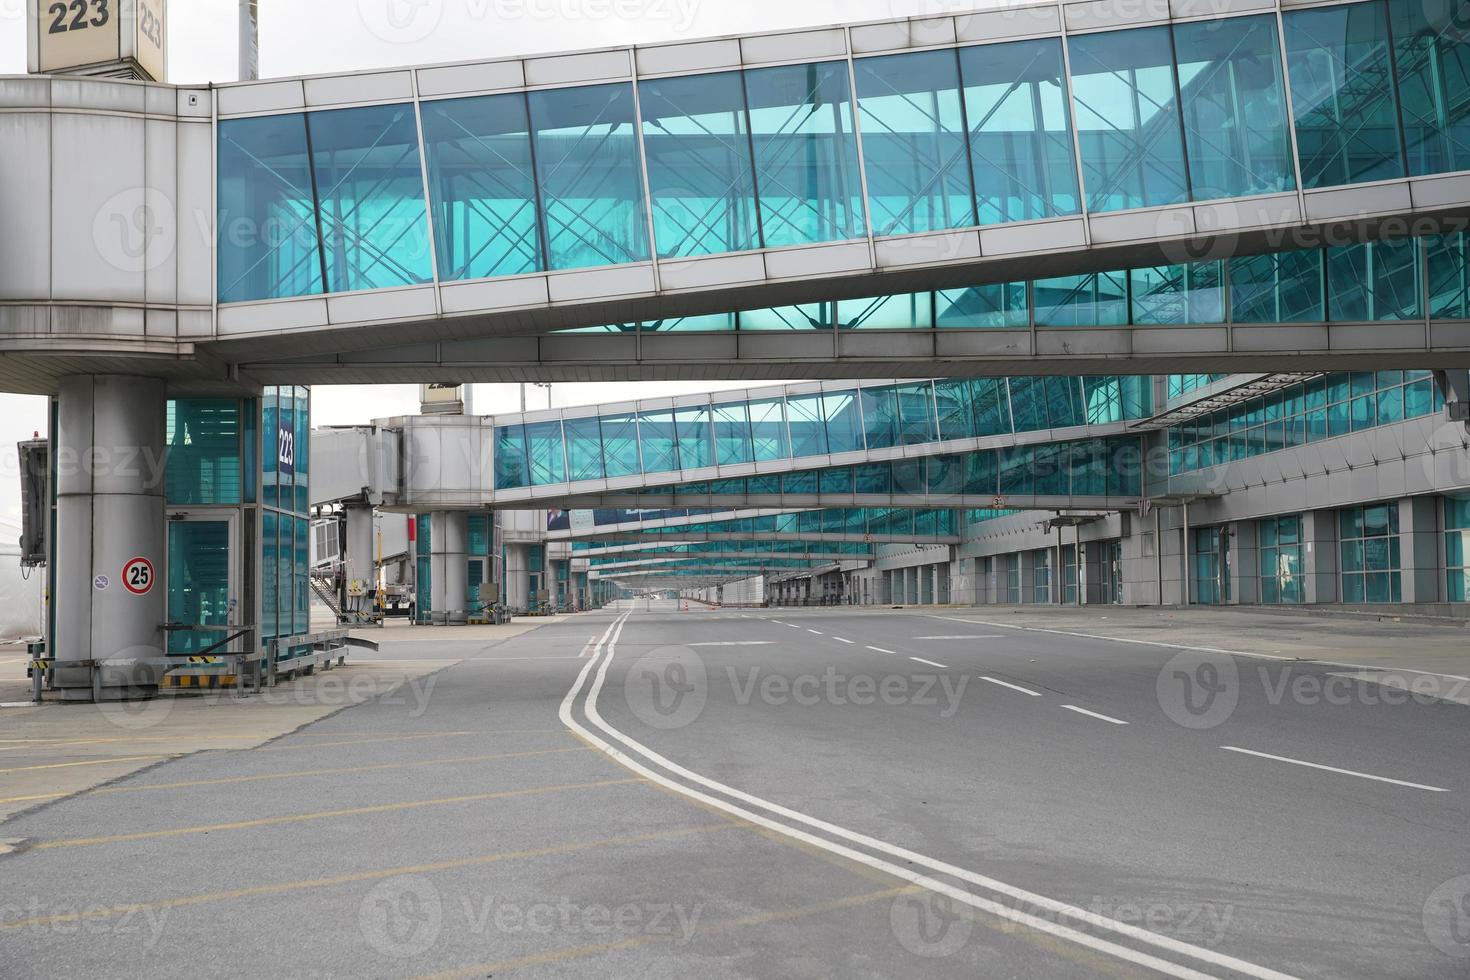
202	580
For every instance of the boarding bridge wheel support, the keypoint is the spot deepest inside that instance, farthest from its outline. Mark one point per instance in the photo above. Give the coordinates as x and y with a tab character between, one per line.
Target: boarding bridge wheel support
321	649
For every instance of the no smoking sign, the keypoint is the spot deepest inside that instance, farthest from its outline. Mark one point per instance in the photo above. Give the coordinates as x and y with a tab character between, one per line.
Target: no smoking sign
137	576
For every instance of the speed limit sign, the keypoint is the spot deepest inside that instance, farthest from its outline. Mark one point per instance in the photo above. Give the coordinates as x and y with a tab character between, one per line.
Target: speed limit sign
137	576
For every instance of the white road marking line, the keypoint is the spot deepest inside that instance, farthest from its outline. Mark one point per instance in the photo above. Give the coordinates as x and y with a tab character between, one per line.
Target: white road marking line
841	639
793	626
930	663
1185	646
818	632
1047	924
880	650
1094	714
588	647
734	643
1013	687
963	636
1344	772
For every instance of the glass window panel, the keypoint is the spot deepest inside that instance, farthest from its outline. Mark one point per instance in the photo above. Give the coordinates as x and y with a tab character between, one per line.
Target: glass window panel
881	417
1283	287
914	142
589	174
203	463
1178	294
1374	281
268	243
302	451
700	176
873	478
1433	78
620	445
544	444
916	410
768	430
1020	138
706	323
1234	107
1094	300
584	449
808	425
1418	399
1028	403
805	153
1000	304
511	470
482	189
370	197
844	421
903	311
1449	277
1123	86
992	406
835	480
695	446
1016	471
1050	468
656	436
956	416
945	475
1342	93
808	316
732	434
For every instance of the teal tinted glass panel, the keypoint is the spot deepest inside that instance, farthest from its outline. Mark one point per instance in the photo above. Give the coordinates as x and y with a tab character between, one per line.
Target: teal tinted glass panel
955	399
1191	293
1234	107
1433	77
1374	281
808	316
1283	287
584	449
999	304
913	127
732	434
511	470
805	153
768	430
903	311
1127	119
1342	93
370	197
198	583
1020	137
992	406
268	241
881	422
482	187
1095	300
481	533
204	458
301	581
707	323
656	435
808	425
1449	276
546	453
695	447
269	567
591	181
620	445
301	450
700	177
843	421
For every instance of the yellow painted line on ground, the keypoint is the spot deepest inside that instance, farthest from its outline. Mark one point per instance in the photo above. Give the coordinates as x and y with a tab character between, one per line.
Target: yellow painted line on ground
288	887
88	762
329	814
298	774
633	942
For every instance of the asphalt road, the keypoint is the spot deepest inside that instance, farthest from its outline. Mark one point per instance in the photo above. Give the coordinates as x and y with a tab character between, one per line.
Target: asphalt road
656	793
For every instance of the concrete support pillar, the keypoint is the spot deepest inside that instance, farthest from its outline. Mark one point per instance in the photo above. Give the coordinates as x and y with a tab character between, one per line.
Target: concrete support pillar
518	577
1419	545
1319	555
109	445
449	551
1245	565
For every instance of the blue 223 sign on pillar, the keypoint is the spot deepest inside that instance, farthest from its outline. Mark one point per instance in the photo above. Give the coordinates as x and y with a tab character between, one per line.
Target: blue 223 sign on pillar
285	448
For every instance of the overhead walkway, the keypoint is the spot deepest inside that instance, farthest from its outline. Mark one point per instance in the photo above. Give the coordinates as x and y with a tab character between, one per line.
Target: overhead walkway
734	205
814	527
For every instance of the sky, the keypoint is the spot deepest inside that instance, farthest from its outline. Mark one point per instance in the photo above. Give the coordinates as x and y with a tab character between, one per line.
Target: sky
302	37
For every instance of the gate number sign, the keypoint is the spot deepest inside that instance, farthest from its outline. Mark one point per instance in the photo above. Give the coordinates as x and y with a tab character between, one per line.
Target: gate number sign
137	576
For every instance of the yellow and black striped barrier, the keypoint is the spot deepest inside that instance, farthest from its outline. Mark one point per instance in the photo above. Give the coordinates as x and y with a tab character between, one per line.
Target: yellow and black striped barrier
199	681
205	660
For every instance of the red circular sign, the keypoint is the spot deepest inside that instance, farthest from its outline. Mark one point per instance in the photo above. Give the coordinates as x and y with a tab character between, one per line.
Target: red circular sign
137	576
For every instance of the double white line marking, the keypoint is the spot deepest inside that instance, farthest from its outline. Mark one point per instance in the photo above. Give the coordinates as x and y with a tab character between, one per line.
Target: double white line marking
1049	911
